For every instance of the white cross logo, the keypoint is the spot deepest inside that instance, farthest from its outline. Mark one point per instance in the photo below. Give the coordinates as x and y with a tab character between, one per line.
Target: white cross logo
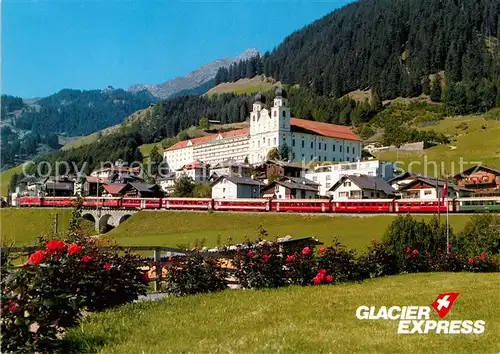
443	302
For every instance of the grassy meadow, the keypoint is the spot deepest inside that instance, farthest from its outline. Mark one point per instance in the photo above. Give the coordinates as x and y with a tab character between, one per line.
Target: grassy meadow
242	86
317	319
475	139
5	177
184	228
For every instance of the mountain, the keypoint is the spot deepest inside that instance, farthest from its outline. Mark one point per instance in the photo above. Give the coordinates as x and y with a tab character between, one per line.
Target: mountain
393	46
194	80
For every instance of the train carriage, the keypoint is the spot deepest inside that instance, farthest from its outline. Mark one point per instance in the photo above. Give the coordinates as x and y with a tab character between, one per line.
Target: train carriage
141	203
187	203
478	205
423	205
301	205
241	204
59	202
30	201
363	206
106	202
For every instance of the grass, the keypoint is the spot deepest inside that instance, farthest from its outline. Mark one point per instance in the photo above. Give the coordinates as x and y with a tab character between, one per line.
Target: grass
21	227
183	228
297	320
146	150
5	177
243	86
476	140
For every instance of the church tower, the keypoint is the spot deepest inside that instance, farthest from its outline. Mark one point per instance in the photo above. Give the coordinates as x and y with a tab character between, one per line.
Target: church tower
280	110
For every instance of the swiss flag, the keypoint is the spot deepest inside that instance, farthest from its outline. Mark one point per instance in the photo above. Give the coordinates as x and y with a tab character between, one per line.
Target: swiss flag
445	191
444	303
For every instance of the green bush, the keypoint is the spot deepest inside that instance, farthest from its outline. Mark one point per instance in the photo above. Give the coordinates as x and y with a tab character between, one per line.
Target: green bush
341	262
480	234
378	262
194	274
300	267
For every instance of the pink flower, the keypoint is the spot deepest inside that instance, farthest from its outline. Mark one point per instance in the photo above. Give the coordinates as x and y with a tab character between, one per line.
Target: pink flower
408	249
449	245
306	251
483	256
266	257
290	259
408	255
86	259
34	327
316	280
415	252
74	249
37	257
322	271
55	246
320	276
251	253
322	250
107	266
329	279
471	260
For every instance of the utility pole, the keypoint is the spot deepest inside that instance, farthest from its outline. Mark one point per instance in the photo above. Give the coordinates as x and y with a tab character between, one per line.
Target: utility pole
55	221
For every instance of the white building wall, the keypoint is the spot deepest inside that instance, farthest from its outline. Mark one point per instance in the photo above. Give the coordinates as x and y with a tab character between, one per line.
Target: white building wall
179	157
224	189
345	190
327	176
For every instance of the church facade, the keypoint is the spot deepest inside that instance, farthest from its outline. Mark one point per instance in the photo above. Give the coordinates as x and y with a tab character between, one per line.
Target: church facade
270	128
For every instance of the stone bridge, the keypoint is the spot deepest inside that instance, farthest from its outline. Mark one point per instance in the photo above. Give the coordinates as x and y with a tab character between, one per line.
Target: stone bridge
106	219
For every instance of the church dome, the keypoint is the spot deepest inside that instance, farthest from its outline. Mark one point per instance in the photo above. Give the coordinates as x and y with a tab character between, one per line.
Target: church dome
280	92
260	98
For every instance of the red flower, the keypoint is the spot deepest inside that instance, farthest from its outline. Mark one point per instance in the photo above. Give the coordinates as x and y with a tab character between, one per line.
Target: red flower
13	306
74	249
415	252
321	276
408	255
322	271
494	261
251	253
449	245
329	279
306	251
266	257
483	256
145	278
471	260
37	257
107	266
86	259
322	250
55	246
408	249
289	259
316	280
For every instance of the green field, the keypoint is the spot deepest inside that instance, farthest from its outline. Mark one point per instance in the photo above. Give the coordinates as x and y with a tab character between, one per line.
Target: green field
475	140
184	228
297	320
242	86
5	177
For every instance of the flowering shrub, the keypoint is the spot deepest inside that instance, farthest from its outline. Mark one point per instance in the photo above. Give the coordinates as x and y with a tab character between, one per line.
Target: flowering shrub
48	293
340	262
322	277
378	262
413	261
300	267
260	267
193	274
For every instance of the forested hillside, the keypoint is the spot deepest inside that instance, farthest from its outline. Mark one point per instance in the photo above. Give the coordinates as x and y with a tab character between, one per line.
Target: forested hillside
76	112
393	45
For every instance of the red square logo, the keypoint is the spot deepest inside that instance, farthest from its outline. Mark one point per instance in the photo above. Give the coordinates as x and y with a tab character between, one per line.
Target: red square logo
444	303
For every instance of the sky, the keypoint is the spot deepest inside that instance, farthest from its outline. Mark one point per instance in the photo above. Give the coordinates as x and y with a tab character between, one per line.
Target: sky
48	45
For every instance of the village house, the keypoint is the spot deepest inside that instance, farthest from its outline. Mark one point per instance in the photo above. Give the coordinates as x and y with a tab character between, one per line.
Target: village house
142	190
290	189
167	183
483	181
361	187
231	187
59	187
427	188
231	168
273	168
197	170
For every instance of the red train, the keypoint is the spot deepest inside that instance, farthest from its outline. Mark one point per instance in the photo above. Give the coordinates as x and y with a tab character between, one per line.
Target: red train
264	205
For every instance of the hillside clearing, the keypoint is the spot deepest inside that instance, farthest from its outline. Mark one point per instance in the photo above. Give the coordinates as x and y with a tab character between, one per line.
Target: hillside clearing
297	319
475	138
5	177
243	86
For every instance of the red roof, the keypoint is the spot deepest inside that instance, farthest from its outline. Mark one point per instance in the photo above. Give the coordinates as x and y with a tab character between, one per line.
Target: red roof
92	179
208	138
325	129
114	188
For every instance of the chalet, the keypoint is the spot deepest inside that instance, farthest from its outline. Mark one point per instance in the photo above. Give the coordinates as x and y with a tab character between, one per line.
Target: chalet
167	183
59	187
93	186
142	190
113	189
289	189
197	170
483	181
361	187
427	188
271	168
229	187
110	172
231	168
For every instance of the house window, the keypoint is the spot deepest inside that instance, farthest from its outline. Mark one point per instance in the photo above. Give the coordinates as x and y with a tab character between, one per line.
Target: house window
319	146
343	194
312	157
284	114
293	156
340	148
274	141
223	190
427	192
312	145
353	150
274	114
315	178
328	178
293	142
328	185
347	183
333	147
302	143
348	149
